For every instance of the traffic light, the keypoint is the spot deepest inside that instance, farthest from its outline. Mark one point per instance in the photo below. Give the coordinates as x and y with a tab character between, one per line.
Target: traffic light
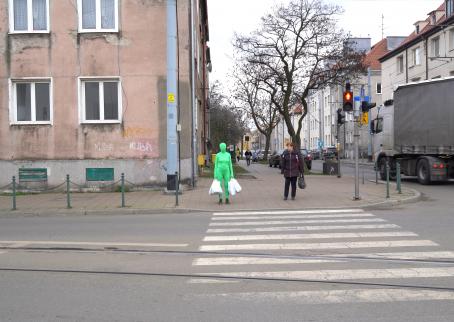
366	106
340	117
348	99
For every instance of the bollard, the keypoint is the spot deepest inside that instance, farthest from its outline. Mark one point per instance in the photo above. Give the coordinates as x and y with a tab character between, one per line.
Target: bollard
376	172
123	190
387	180
68	193
398	178
177	187
14	193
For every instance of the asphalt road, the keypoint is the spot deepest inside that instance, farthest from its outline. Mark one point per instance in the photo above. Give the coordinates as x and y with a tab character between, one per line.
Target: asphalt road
394	264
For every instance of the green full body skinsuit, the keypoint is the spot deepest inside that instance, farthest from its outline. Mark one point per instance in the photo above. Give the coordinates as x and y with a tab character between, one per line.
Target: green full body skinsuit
223	170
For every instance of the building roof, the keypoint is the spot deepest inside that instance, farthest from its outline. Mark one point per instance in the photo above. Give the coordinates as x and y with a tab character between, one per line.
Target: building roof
372	57
427	31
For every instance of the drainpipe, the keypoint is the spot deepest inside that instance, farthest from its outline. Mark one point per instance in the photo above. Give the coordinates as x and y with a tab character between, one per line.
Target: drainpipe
406	65
193	97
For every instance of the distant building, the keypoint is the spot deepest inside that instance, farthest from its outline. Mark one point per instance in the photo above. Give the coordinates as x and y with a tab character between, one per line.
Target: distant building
83	88
427	53
320	124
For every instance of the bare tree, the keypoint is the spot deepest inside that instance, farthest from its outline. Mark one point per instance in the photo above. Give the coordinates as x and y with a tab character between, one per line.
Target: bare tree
252	95
227	124
300	48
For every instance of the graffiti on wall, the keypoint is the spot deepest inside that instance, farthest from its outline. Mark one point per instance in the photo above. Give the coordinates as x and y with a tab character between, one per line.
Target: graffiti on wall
145	147
137	132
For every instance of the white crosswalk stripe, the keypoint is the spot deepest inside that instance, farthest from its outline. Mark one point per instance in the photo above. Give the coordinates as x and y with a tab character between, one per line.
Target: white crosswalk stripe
358	215
338	241
291	222
301	228
339	296
311	236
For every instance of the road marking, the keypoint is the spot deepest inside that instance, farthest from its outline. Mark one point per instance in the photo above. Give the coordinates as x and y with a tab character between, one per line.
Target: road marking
312	246
292	217
347	274
402	256
210	281
287	212
75	243
341	296
301	228
310	236
282	222
253	260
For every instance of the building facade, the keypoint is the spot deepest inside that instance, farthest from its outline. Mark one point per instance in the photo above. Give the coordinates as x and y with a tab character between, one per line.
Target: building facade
83	87
427	53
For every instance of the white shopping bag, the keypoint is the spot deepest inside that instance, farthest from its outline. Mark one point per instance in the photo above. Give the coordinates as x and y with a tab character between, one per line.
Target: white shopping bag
215	188
235	185
232	190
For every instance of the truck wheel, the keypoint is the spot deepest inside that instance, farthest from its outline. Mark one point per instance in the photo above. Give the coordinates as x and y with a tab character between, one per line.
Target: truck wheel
423	172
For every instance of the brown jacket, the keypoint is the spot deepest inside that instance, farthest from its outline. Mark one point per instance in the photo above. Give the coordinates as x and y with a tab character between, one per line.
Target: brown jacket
292	164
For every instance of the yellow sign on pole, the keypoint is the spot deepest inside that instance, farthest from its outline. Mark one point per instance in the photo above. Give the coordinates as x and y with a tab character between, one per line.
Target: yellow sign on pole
365	118
171	98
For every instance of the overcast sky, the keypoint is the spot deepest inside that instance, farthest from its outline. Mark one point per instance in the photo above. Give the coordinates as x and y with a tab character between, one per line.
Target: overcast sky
362	18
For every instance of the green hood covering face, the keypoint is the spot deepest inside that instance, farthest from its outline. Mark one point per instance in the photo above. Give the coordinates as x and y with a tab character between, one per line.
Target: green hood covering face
223	147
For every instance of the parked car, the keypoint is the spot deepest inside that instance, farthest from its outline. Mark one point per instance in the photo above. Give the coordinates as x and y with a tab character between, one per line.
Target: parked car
315	154
307	158
275	159
330	153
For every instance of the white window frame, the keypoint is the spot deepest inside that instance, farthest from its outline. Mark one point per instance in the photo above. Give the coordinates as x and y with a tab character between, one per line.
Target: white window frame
451	39
81	95
416	59
400	64
376	88
30	29
433	41
13	100
98	18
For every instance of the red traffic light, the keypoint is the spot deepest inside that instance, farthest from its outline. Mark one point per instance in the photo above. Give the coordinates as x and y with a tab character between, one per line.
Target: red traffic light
348	101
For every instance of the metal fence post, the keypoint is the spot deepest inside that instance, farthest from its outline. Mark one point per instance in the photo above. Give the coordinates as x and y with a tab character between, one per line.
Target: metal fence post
387	180
398	178
376	172
68	193
363	177
123	190
177	187
14	193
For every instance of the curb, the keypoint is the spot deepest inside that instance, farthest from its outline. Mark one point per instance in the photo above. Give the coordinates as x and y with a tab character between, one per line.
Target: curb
179	211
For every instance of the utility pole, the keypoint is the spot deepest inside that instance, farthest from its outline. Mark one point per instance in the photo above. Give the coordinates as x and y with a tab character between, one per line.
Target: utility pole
172	95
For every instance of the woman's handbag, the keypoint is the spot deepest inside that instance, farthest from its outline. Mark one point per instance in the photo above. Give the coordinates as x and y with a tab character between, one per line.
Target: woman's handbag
301	182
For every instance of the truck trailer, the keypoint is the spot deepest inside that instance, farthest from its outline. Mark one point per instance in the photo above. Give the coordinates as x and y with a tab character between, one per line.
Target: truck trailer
416	130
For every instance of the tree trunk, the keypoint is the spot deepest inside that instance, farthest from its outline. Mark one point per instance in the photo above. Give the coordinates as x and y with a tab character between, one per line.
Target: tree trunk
267	145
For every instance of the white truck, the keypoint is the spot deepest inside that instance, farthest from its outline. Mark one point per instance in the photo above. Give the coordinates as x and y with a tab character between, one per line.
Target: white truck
416	130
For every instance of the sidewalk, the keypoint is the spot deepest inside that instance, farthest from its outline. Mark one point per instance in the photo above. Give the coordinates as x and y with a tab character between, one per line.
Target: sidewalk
264	192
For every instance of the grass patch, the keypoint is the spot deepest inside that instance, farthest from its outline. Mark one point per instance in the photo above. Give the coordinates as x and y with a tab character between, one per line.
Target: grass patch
209	172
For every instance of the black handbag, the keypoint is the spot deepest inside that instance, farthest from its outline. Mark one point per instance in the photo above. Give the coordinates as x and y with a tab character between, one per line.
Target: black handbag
301	182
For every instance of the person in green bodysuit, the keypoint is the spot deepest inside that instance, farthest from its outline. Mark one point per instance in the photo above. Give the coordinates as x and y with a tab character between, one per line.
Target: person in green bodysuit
223	170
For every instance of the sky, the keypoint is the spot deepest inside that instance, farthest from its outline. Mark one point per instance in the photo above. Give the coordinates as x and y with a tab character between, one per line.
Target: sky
361	18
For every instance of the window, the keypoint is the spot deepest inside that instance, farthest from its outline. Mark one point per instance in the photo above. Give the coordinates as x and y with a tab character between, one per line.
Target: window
98	15
451	73
31	102
449	8
416	56
400	64
435	47
378	87
29	16
451	39
100	100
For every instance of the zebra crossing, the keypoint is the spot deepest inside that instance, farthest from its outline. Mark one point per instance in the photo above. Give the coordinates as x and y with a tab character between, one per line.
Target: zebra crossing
349	246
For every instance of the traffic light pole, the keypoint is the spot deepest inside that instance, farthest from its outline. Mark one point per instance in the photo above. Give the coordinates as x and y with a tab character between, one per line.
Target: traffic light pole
356	114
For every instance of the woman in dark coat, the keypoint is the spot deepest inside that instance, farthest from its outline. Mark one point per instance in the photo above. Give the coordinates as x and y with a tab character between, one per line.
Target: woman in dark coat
292	166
